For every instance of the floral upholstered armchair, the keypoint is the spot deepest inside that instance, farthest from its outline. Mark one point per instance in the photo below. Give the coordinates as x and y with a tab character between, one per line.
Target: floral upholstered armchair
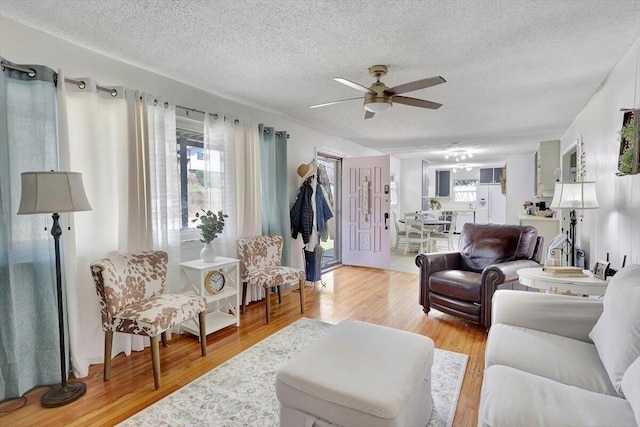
260	264
132	301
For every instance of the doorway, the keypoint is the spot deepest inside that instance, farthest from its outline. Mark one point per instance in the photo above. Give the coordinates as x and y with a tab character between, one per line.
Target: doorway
332	255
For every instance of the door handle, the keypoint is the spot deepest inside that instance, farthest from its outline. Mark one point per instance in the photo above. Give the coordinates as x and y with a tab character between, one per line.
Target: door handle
386	219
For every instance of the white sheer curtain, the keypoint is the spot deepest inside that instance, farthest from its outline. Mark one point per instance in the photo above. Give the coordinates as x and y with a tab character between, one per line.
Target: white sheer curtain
124	143
248	189
163	184
232	181
219	177
93	138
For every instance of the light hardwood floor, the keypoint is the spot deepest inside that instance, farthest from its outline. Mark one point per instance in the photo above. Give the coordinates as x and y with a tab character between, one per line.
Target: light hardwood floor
378	296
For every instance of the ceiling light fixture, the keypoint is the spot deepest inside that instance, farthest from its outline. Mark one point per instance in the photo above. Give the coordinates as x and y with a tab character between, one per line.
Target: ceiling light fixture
458	154
461	167
377	104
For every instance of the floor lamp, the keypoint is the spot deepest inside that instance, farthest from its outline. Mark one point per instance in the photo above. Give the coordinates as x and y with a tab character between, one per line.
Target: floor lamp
56	192
574	195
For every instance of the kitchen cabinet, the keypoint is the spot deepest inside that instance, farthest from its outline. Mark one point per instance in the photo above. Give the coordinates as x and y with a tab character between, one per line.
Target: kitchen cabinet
443	183
491	175
547	161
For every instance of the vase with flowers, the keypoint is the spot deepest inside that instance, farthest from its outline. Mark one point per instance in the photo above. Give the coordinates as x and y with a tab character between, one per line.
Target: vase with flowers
210	226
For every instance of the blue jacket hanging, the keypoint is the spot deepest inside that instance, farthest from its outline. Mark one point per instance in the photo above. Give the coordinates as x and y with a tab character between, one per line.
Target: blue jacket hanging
323	213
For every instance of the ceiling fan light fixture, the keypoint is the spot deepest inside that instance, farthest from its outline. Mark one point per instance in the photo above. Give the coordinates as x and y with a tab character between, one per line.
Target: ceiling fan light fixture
377	105
458	154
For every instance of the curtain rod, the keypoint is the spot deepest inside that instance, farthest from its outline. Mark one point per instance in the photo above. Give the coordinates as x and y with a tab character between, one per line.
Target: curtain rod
81	84
214	115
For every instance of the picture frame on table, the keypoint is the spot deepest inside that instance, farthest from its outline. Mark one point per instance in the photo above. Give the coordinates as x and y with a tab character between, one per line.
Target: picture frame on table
600	269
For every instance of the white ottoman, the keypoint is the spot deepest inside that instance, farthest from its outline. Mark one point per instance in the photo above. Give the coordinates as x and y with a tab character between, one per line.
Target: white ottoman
358	374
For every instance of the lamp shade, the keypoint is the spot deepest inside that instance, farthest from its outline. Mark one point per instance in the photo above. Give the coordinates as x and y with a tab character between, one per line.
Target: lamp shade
377	105
575	195
52	192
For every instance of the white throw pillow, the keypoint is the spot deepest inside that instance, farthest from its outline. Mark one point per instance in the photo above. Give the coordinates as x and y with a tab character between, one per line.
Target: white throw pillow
616	335
631	388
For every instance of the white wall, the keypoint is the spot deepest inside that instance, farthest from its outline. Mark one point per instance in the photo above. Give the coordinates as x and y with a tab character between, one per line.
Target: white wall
22	44
615	227
520	184
410	186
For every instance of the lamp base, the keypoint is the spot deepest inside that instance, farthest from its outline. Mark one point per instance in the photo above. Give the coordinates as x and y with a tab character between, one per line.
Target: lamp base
60	396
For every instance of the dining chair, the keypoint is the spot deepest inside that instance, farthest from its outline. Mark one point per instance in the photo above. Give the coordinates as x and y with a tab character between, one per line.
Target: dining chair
400	233
446	235
132	301
417	233
260	265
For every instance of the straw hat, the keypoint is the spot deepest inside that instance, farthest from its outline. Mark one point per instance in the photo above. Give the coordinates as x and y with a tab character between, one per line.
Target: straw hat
305	171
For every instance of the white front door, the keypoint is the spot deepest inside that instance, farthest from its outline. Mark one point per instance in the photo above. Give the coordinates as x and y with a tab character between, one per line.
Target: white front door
365	217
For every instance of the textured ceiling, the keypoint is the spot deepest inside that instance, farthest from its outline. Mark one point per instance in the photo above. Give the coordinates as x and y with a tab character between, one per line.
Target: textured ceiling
517	72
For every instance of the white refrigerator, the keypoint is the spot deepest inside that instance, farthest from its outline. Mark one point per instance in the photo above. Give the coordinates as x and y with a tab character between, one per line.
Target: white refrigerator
491	205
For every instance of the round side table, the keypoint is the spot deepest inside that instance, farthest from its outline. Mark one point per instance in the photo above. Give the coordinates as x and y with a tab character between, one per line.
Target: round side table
539	279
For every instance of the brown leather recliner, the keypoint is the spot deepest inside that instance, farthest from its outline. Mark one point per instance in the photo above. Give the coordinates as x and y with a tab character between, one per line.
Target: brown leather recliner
463	283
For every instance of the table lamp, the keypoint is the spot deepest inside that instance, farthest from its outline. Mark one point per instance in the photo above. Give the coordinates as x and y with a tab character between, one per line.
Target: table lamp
574	195
55	192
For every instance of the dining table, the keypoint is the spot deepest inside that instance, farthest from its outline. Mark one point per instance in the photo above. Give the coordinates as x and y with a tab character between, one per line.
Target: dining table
430	221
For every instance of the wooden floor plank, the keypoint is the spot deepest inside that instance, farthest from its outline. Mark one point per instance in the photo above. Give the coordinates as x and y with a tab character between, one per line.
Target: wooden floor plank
378	296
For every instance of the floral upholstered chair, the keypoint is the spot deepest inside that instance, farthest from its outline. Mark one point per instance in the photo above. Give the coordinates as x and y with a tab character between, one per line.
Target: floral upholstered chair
132	301
260	266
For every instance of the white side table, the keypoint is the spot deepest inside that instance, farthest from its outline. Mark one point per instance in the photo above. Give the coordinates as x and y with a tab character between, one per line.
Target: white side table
587	285
218	304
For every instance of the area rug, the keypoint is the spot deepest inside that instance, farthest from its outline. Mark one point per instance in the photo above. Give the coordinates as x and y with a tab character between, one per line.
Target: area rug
241	391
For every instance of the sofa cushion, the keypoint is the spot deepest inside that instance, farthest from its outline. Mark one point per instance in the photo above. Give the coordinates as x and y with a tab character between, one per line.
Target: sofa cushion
464	285
617	332
562	359
511	397
631	387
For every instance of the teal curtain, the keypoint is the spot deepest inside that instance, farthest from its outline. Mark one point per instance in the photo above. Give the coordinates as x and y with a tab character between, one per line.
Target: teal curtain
29	342
273	174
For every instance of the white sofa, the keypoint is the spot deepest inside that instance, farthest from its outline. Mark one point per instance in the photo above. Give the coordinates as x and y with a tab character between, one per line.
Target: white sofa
556	360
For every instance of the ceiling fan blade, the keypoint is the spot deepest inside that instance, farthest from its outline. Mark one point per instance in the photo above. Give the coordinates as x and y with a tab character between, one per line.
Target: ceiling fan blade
334	102
368	114
353	85
415	102
418	84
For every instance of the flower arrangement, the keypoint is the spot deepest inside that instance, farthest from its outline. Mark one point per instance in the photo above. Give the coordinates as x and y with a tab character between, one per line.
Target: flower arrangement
210	224
434	204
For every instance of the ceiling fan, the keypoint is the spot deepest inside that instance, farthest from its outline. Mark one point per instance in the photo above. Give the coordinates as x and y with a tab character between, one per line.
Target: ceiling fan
378	97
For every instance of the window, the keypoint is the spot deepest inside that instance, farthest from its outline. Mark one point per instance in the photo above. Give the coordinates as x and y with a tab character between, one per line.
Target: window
192	167
465	190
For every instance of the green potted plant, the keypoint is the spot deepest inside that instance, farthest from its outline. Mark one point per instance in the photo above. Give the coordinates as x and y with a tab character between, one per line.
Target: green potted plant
627	133
210	226
434	204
